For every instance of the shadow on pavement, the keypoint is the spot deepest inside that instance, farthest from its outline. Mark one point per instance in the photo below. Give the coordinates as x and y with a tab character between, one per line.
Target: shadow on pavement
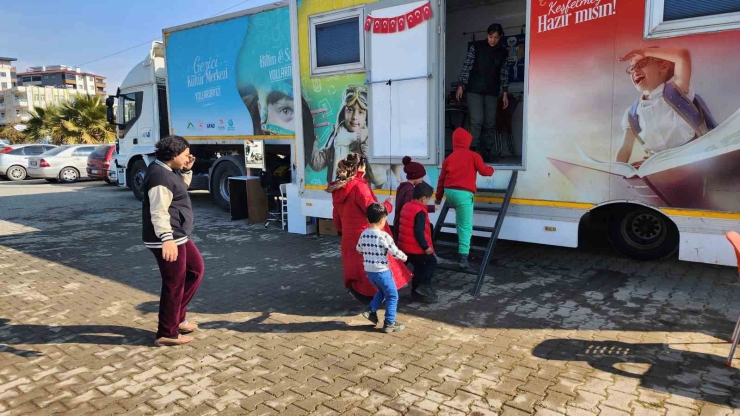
257	325
26	334
94	233
657	366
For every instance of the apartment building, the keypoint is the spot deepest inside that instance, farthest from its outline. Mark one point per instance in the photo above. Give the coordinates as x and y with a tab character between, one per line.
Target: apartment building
8	77
62	76
17	103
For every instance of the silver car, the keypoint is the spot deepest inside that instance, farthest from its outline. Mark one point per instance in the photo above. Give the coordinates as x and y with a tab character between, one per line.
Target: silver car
14	159
64	163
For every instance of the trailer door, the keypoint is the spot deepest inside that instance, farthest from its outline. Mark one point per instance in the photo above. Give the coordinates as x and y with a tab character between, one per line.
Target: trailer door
401	38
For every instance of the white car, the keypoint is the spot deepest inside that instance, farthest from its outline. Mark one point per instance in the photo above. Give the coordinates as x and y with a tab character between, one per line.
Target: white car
64	163
14	159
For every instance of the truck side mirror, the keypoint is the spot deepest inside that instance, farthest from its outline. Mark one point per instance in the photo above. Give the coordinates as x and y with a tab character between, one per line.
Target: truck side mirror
109	110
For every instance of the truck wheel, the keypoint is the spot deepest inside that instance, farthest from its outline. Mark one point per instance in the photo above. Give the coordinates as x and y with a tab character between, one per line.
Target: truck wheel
643	234
138	171
220	183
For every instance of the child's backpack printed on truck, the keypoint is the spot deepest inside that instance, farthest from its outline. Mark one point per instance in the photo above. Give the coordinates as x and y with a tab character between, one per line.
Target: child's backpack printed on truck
696	113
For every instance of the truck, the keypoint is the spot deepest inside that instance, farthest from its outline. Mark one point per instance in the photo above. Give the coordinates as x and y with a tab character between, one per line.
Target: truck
225	85
618	114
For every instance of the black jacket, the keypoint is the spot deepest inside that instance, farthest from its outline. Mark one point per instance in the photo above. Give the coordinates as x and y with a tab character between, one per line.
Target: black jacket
166	213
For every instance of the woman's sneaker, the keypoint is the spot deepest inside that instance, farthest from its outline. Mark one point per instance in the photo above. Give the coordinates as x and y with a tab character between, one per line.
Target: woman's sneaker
371	316
394	327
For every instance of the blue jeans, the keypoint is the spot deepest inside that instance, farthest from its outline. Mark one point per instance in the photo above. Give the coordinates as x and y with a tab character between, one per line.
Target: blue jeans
387	292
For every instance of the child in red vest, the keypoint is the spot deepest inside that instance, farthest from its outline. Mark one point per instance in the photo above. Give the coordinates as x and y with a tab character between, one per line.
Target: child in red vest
415	173
457	180
415	239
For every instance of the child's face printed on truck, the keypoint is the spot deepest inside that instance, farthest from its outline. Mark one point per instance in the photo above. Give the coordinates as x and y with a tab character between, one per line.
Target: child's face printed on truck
280	110
355	118
647	74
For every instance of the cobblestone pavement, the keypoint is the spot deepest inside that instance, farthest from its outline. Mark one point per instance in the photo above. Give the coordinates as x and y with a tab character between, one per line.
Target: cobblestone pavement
555	331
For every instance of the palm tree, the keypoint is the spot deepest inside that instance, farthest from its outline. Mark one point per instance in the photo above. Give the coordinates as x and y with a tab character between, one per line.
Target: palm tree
15	136
46	122
84	120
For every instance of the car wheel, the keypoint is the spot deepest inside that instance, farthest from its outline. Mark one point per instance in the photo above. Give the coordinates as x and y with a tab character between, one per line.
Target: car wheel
108	181
16	173
643	234
69	175
53	180
138	172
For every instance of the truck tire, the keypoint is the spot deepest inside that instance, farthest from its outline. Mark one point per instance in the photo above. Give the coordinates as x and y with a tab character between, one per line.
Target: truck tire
643	234
138	171
220	183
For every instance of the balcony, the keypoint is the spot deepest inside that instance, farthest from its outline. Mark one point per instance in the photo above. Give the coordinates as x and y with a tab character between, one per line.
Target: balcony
24	117
21	103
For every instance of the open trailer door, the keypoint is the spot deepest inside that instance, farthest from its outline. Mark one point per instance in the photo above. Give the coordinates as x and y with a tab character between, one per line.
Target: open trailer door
402	47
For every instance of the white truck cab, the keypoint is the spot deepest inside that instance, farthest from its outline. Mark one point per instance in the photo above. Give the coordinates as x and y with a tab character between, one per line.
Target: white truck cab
141	117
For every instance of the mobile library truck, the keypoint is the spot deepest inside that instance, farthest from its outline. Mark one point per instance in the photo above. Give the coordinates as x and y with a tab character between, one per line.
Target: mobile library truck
619	111
622	112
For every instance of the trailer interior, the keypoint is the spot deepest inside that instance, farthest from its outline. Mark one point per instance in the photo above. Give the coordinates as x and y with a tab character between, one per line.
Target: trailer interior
466	22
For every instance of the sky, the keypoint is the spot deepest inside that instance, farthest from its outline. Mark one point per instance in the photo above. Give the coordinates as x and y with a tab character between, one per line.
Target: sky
74	33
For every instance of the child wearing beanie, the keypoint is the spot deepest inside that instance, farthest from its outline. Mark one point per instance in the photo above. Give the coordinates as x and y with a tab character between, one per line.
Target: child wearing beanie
415	173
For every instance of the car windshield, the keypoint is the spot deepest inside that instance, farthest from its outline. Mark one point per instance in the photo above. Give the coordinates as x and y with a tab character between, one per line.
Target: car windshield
100	152
55	151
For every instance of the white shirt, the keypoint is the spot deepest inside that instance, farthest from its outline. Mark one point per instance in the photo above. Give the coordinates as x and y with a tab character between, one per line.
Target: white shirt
374	245
662	127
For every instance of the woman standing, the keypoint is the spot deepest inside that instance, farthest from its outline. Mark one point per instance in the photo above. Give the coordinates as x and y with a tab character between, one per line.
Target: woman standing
351	195
167	219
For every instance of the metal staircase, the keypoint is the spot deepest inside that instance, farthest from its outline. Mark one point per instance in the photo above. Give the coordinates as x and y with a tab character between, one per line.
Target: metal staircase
493	231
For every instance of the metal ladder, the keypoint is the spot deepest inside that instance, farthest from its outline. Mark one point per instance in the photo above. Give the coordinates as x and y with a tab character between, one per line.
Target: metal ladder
488	251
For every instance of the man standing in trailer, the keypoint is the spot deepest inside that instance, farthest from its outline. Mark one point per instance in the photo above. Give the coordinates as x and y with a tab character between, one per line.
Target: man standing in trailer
484	77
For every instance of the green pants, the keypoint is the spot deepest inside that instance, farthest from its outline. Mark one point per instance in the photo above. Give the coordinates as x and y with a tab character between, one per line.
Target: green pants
462	201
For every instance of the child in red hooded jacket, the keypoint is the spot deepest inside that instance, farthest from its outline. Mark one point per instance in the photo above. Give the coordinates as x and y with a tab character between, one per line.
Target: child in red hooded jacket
457	180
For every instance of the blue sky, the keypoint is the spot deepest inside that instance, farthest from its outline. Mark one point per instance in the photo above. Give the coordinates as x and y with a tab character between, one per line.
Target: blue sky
49	32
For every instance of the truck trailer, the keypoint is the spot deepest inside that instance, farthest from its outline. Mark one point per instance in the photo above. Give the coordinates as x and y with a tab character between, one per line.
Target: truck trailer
622	113
225	84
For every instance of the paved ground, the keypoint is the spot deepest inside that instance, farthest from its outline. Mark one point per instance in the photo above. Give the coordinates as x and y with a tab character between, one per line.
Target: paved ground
559	331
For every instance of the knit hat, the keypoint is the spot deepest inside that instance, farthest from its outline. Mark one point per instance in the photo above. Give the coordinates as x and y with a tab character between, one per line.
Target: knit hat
413	170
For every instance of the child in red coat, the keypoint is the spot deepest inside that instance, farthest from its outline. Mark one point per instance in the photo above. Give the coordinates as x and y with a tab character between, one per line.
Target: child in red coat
457	180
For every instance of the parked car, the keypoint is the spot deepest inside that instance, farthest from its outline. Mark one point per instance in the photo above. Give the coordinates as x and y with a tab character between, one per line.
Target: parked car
14	159
112	171
64	163
98	163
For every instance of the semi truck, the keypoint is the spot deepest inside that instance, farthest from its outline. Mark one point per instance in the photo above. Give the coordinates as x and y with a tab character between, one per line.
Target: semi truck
618	114
224	84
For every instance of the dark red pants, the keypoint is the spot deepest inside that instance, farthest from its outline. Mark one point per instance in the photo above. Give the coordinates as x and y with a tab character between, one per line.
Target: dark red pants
180	281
